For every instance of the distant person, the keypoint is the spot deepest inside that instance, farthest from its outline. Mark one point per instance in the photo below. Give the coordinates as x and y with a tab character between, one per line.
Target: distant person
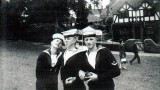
48	65
122	55
136	56
102	65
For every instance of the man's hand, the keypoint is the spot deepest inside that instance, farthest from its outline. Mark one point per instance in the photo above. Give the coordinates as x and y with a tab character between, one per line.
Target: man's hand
70	80
92	77
81	74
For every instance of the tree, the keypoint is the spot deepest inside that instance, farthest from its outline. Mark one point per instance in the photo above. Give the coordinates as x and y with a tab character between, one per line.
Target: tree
17	17
48	11
23	13
81	11
96	3
3	7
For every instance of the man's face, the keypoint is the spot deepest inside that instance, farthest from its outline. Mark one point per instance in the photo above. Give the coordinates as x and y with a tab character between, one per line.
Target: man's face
90	42
56	43
69	41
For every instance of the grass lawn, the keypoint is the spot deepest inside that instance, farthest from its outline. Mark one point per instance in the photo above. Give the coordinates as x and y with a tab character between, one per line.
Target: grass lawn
18	62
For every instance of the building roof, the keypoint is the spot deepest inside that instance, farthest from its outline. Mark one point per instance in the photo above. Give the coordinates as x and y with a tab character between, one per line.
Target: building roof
133	3
158	6
93	18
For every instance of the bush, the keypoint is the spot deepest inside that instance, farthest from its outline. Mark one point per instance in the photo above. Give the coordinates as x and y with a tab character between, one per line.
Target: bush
151	47
40	32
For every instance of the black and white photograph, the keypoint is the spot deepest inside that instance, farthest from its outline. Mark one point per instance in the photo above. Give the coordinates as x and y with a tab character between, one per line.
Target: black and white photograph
80	44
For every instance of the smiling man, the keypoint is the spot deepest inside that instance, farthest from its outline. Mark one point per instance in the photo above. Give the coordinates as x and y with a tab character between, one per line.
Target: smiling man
102	66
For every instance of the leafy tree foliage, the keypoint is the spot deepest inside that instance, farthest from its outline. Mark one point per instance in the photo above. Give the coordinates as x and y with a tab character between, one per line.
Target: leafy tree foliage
79	6
22	13
49	11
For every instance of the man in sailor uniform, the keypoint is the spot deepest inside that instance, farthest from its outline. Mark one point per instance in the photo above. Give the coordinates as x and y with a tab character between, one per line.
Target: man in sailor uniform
73	62
102	66
48	65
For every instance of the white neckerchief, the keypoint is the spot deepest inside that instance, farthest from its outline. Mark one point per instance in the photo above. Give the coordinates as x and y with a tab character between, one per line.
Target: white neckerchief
70	53
54	58
92	57
67	55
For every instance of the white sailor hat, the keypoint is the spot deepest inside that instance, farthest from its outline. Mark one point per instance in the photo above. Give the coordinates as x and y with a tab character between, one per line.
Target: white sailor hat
58	36
70	33
91	32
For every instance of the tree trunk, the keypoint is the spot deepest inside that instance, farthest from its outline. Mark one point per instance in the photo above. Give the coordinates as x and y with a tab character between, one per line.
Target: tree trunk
3	20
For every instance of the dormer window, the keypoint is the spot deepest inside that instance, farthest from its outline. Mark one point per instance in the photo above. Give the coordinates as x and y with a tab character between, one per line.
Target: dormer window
125	7
145	5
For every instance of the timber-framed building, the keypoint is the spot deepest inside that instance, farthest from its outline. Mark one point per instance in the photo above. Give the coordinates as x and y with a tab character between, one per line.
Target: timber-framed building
138	19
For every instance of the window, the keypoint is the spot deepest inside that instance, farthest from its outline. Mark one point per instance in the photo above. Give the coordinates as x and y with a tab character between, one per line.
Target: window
124	14
130	13
149	12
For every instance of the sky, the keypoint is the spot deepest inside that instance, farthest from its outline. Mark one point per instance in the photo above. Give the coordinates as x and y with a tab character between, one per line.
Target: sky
104	2
7	0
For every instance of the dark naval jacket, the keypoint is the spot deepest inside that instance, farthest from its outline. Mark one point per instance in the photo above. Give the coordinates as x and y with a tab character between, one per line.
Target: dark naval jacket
71	69
106	68
47	76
